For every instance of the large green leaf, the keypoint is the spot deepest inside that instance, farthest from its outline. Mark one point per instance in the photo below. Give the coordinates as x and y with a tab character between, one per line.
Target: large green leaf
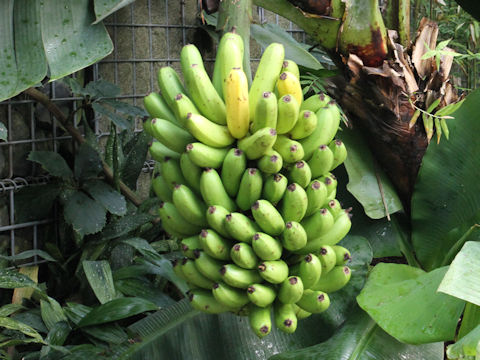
99	276
461	279
361	339
404	302
103	8
178	332
70	40
11	279
85	214
8	66
268	33
447	192
52	162
117	309
364	178
110	199
466	346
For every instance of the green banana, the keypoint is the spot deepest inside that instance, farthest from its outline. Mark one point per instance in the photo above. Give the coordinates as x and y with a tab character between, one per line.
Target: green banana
300	173
328	120
315	102
328	258
157	107
238	277
216	219
342	254
229	296
213	192
191	172
289	84
268	217
285	318
270	163
170	84
331	182
260	320
266	112
267	73
319	223
257	144
336	279
214	245
207	265
161	188
266	247
208	132
273	271
172	219
233	167
321	161
171	135
206	156
240	227
334	207
337	232
314	301
200	87
294	236
229	55
291	290
243	255
339	153
305	126
294	203
177	268
147	125
189	205
261	294
290	150
274	188
194	276
316	195
159	152
288	108
189	245
310	270
250	188
292	67
203	300
182	106
172	173
300	313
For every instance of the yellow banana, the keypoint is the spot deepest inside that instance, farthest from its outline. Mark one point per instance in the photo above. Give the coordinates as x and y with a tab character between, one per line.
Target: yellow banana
236	100
288	83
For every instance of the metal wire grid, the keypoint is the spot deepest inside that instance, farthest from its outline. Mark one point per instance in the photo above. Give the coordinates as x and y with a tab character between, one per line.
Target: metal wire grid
143	26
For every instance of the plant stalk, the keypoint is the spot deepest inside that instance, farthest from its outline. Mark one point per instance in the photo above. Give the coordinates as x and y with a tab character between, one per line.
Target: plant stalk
63	119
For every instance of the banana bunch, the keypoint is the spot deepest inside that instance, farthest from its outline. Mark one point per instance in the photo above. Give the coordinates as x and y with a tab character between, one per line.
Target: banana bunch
244	176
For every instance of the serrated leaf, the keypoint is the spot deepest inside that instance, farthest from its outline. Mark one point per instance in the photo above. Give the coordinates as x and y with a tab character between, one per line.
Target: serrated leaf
85	215
102	89
461	279
268	33
394	296
52	162
447	191
363	183
35	202
110	199
13	324
466	346
117	309
11	279
135	159
124	225
103	8
125	108
87	162
3	132
70	41
99	276
28	254
118	120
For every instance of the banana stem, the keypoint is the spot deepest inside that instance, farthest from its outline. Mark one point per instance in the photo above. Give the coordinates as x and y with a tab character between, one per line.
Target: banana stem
238	14
63	119
398	18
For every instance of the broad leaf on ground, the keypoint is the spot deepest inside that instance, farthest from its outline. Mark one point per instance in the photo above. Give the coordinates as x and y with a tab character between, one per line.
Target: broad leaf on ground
360	338
99	276
364	177
461	279
86	215
269	33
447	192
395	297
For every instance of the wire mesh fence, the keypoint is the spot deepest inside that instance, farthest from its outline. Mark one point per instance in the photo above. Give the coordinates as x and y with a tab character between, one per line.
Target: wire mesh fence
147	35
